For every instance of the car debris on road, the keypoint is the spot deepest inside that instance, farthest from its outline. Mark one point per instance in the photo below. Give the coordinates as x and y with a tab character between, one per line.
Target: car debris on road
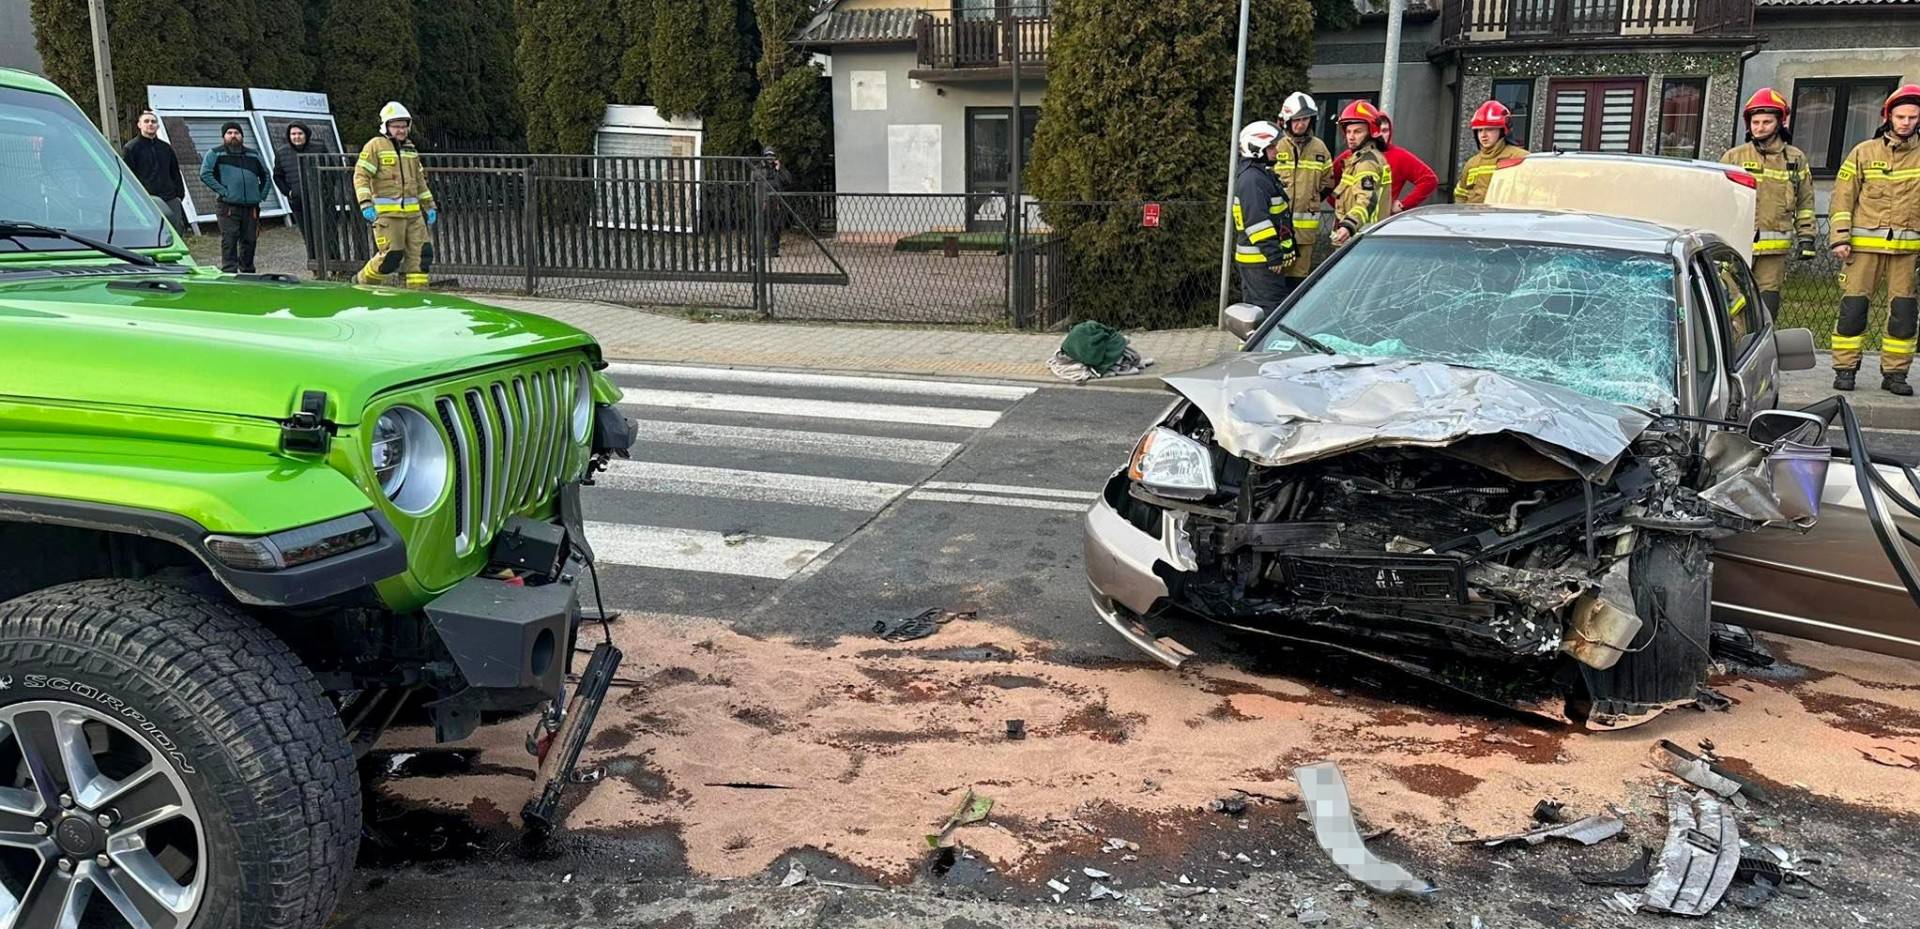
1324	790
1589	831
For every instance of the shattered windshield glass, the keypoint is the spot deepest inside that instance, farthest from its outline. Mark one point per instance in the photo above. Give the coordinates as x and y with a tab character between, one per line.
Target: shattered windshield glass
1596	321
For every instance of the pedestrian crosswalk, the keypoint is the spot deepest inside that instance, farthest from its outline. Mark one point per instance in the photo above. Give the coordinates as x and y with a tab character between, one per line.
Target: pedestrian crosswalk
741	479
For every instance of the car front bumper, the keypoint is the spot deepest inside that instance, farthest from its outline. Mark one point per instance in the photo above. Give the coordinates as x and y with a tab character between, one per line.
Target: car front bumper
1126	574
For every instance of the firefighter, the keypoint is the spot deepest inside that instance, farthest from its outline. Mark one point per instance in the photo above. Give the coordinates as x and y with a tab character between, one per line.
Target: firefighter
391	187
1493	130
1301	163
1783	209
1264	244
1875	214
1360	198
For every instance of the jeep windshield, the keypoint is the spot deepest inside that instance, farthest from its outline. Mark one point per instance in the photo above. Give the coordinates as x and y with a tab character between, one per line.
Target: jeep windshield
1596	321
57	170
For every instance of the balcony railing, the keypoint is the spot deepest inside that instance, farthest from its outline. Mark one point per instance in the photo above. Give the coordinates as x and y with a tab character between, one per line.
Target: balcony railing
1472	21
960	44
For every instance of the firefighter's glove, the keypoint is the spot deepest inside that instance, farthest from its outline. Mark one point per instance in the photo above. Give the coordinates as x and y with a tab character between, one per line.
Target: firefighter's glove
1805	250
432	215
367	212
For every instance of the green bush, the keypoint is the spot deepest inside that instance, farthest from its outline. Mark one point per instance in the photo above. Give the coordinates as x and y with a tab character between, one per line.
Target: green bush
1139	98
794	112
702	65
565	81
468	81
153	41
372	56
288	65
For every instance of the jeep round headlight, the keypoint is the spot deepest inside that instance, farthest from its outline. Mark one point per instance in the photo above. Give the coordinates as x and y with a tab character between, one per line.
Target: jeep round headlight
1172	465
582	403
409	459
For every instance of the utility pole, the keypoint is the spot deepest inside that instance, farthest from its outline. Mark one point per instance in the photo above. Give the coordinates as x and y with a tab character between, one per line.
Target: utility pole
1233	163
103	72
1391	73
1014	209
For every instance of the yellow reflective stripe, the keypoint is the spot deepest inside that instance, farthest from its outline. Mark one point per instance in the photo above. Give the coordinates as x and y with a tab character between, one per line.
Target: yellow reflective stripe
415	279
1892	346
1459	191
1767	246
1843	343
1261	235
1901	174
368	166
396	208
1804	214
1239	222
1482	171
1739	305
1249	256
1841	217
1847	172
1871	242
1305	225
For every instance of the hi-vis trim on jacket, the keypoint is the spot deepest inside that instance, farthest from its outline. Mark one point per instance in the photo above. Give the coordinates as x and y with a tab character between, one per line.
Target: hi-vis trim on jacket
388	176
1477	174
1302	169
1875	206
1267	240
1361	197
1772	243
1783	193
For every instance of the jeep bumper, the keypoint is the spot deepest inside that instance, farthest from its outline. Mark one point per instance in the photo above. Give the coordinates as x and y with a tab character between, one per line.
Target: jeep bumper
510	642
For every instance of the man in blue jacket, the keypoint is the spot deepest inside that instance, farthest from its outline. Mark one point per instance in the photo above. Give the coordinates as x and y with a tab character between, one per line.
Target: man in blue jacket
238	178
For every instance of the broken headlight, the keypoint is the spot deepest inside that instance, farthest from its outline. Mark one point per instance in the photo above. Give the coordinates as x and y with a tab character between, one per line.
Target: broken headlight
1172	465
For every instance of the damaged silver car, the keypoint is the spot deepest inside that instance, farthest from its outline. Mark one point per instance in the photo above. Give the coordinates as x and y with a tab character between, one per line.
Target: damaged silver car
1493	448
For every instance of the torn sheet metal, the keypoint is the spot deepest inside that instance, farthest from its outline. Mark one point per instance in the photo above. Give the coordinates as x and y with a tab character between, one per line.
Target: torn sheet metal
1277	409
1701	854
1781	483
1698	771
1636	874
1324	791
1588	831
1603	623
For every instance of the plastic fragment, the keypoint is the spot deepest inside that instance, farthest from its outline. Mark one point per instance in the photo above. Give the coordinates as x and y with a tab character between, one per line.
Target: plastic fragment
1324	791
1701	854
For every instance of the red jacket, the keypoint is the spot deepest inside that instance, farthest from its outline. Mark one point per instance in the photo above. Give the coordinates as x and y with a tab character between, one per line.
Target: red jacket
1406	167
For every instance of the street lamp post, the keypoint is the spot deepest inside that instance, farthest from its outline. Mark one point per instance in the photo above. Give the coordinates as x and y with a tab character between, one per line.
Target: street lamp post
1233	163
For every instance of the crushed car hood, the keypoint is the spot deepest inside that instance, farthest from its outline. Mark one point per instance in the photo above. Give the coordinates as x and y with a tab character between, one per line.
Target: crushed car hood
1283	408
231	346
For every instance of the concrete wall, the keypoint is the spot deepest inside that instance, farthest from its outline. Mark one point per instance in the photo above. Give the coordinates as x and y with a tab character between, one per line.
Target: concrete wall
862	162
16	37
1351	61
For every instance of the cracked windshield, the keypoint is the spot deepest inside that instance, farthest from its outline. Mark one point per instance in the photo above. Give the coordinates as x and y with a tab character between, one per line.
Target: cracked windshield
1595	321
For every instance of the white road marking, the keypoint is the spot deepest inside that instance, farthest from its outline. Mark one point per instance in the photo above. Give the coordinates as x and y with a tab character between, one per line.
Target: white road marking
756	486
937	496
818	409
802	379
1011	489
839	445
696	550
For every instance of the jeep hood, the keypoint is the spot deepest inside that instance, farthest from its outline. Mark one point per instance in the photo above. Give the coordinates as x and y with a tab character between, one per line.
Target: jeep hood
248	348
1281	408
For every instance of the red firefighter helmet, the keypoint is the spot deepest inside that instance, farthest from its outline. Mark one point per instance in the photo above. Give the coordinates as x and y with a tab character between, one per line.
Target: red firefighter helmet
1765	99
1909	93
1360	111
1493	115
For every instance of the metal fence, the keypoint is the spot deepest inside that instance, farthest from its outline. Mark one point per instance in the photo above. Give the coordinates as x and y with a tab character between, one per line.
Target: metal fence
713	234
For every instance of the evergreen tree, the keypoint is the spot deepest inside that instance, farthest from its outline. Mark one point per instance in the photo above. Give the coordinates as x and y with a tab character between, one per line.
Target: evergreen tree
372	57
1139	98
636	61
568	61
794	112
153	41
284	59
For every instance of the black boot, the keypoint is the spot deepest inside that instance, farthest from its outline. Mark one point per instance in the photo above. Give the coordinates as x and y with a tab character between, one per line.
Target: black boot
1896	384
1843	378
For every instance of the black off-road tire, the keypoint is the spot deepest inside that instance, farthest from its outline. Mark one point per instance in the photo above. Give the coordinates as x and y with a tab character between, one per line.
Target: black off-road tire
272	775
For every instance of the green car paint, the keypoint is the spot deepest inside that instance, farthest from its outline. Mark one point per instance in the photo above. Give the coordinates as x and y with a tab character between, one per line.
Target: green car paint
166	389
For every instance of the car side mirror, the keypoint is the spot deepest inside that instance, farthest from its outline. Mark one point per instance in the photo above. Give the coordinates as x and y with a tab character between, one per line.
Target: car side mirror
1768	428
1795	349
1243	318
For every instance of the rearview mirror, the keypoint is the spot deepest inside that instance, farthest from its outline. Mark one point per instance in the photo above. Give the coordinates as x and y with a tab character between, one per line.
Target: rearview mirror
1243	318
1795	348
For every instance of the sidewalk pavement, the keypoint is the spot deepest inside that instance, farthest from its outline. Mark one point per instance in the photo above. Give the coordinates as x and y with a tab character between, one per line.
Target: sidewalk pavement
629	334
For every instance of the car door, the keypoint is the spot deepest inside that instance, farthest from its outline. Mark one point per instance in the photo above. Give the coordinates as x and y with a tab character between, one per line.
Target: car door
1747	328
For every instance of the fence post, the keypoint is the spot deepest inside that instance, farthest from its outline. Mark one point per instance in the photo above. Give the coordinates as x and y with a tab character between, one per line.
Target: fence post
529	223
313	189
756	242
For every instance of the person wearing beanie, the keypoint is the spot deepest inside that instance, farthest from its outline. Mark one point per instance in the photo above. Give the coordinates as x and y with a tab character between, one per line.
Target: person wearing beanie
238	178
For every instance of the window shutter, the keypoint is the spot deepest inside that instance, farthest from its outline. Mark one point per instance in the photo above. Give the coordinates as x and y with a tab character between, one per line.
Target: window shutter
1569	118
1617	118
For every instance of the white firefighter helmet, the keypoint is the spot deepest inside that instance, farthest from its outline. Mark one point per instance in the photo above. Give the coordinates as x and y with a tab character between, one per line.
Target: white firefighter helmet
1298	106
392	111
1257	138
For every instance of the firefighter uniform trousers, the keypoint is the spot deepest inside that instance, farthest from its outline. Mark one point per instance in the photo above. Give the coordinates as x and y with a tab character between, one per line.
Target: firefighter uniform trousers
1875	209
1303	169
389	178
1783	209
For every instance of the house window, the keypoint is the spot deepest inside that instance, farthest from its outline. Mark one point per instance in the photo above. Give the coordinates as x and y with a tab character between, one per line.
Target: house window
1517	96
1682	100
1331	106
1831	116
1596	116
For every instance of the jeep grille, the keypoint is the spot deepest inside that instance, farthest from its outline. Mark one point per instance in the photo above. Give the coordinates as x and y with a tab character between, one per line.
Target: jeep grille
509	440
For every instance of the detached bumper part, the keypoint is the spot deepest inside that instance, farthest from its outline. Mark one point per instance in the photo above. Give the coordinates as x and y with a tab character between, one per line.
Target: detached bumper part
1122	584
510	643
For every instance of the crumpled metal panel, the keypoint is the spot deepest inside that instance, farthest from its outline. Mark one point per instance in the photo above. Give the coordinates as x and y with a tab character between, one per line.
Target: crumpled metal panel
1781	484
1280	409
1701	854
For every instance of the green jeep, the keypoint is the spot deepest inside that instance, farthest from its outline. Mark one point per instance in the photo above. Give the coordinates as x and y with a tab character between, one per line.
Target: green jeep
243	521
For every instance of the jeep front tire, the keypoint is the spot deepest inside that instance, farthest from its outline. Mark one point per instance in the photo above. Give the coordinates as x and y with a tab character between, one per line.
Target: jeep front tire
165	762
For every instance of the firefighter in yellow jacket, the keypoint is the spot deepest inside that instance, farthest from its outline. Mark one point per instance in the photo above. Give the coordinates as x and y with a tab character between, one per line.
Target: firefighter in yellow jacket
1492	124
391	186
1365	186
1875	214
1302	163
1783	205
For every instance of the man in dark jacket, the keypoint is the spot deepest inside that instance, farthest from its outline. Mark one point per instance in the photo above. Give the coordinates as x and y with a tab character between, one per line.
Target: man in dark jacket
158	169
1262	220
238	179
774	212
286	176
